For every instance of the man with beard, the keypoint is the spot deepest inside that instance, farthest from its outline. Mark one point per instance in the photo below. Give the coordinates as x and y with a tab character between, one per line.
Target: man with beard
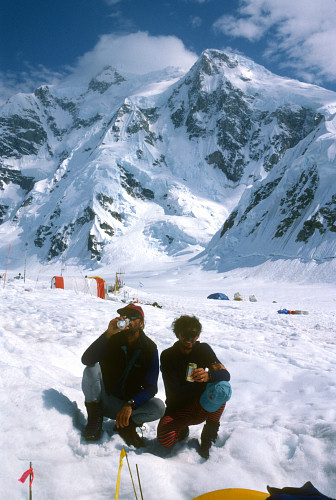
120	378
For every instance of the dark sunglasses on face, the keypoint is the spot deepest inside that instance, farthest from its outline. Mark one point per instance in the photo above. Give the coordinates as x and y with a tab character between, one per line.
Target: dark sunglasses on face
189	335
132	318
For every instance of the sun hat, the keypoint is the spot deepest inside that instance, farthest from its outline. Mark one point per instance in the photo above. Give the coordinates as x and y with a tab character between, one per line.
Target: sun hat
131	307
215	395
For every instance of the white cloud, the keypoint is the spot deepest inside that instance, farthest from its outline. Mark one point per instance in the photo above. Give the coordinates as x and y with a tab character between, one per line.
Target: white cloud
300	32
240	27
195	21
137	53
26	81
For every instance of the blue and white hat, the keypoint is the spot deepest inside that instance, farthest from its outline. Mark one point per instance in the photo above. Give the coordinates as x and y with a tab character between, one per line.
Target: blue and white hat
215	395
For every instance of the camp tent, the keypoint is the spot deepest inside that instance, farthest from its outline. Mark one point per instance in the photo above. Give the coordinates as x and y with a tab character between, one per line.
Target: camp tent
218	296
233	494
92	286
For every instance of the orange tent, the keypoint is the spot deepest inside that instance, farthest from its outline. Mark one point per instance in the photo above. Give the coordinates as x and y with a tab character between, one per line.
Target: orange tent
93	286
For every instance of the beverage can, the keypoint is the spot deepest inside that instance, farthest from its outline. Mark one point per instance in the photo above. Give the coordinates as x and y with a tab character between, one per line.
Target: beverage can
190	368
122	323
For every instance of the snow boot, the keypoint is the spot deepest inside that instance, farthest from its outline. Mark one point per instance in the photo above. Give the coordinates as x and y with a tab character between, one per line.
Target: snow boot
183	434
129	435
208	436
93	429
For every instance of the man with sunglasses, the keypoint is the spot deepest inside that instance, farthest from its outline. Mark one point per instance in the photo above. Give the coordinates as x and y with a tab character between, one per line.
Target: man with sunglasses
191	403
120	378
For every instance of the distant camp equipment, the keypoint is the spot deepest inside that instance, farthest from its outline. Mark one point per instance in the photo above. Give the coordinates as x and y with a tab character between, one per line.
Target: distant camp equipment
118	283
218	296
93	286
286	311
237	296
253	298
233	494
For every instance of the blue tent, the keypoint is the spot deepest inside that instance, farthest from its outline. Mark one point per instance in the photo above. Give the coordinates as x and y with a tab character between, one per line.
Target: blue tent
218	296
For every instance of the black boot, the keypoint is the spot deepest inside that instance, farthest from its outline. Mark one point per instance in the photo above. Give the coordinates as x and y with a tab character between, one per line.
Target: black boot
208	436
130	435
183	434
93	430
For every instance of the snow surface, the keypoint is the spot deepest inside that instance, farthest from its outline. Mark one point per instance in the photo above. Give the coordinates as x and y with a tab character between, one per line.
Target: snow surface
279	428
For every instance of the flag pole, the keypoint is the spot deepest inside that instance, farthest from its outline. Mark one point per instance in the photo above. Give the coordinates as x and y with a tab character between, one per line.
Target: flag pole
24	476
136	465
7	265
30	482
131	478
25	266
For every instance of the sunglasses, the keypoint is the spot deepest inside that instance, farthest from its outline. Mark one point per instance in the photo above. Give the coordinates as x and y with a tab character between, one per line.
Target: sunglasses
132	318
189	335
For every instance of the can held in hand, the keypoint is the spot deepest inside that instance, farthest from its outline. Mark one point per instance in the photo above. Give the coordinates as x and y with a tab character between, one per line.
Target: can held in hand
190	368
122	323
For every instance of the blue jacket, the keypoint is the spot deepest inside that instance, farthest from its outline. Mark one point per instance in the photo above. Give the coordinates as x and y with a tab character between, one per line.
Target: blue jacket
126	374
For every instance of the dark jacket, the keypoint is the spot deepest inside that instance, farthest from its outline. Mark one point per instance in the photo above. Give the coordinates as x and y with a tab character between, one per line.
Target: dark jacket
126	374
179	392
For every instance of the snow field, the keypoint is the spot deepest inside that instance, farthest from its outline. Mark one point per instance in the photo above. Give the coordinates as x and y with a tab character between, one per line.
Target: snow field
279	428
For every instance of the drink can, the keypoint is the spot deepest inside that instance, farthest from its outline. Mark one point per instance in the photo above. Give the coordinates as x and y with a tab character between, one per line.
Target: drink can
122	323
190	368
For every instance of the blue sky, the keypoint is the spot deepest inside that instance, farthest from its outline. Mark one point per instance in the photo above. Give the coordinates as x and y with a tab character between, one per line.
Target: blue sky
42	41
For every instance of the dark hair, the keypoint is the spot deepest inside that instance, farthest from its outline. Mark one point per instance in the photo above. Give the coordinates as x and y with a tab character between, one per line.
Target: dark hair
186	323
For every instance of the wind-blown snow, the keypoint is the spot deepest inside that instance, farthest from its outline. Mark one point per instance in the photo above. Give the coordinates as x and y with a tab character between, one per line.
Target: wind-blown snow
279	427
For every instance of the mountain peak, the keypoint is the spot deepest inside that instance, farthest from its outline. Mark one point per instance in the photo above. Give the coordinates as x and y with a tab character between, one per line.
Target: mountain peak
107	77
158	164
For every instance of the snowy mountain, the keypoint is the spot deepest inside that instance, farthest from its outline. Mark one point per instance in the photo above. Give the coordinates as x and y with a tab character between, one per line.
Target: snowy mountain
134	168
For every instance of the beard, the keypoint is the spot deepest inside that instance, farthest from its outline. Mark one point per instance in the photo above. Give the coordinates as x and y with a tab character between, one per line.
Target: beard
130	332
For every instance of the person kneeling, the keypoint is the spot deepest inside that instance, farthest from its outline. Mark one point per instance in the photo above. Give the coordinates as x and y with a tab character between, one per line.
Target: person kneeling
192	403
120	378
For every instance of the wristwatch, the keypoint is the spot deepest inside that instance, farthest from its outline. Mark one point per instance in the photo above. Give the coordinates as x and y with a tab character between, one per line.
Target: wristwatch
131	403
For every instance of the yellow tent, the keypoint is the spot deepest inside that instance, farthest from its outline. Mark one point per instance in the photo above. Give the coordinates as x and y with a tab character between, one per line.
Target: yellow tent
233	494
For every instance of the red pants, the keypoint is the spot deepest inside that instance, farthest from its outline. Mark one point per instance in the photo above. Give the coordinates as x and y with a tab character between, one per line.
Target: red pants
170	426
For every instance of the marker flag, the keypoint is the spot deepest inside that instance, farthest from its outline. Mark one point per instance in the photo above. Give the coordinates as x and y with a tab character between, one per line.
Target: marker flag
26	474
122	455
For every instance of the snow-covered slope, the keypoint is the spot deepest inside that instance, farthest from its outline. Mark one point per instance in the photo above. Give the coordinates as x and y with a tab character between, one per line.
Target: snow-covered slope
278	429
163	161
289	214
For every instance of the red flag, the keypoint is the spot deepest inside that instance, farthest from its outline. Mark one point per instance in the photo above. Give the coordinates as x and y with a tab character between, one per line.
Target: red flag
26	474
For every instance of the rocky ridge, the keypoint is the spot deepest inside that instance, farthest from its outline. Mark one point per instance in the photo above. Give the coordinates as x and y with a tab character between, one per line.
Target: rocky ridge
227	148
